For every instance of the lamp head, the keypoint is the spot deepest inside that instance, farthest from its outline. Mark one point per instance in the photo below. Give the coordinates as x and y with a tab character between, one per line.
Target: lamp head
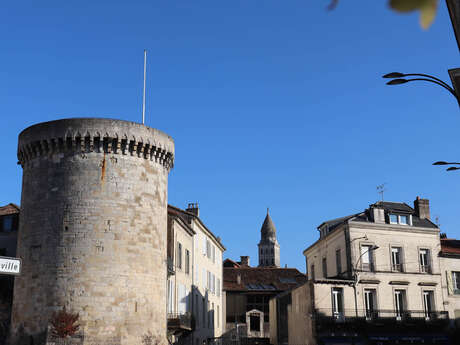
397	81
394	75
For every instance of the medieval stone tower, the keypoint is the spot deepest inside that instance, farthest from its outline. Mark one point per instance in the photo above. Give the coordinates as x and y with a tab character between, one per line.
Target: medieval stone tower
92	233
269	249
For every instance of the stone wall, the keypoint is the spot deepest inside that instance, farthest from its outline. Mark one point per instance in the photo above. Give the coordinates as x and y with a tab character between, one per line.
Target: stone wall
92	233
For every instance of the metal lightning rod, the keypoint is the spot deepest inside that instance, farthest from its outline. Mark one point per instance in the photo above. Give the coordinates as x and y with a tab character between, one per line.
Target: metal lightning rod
143	96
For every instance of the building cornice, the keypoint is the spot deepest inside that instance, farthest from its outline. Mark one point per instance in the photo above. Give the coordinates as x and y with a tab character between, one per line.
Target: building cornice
393	227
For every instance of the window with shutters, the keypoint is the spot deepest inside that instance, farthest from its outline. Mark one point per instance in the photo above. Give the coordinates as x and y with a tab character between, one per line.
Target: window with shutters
400	303
170	296
367	259
187	261
338	261
337	302
218	287
324	268
204	244
208	249
396	259
179	256
424	255
218	317
204	279
456	282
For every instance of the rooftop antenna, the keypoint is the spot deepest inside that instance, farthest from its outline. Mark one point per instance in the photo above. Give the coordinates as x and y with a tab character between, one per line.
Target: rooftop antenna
381	189
436	221
143	95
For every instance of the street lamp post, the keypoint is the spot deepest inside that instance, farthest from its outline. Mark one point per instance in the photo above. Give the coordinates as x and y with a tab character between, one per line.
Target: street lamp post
398	78
355	275
448	163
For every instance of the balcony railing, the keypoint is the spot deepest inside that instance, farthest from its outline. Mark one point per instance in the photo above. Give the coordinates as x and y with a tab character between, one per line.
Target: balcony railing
350	318
178	321
425	268
397	267
367	267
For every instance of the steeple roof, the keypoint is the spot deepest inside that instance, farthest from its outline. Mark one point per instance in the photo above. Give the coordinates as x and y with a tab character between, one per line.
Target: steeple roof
268	230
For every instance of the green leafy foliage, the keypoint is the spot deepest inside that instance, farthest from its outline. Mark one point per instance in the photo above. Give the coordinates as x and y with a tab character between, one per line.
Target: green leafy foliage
64	324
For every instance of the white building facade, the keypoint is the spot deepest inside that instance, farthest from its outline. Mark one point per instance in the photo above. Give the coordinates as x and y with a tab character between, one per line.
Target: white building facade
198	283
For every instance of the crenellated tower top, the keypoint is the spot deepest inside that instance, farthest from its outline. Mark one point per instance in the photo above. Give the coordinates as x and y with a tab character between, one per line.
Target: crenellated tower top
100	135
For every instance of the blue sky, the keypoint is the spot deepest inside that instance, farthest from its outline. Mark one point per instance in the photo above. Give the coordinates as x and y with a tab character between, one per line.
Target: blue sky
271	103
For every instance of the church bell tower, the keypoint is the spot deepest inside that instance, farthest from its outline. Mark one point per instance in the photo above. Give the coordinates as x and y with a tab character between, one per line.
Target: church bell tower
269	249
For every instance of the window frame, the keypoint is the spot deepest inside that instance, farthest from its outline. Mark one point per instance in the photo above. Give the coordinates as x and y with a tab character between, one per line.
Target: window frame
338	261
402	308
369	253
324	267
179	255
371	313
456	282
187	261
337	302
427	267
10	218
397	267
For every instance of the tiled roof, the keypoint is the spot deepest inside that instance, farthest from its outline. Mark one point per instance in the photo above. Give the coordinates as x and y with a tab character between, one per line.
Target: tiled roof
389	207
267	279
9	209
231	263
395	206
450	246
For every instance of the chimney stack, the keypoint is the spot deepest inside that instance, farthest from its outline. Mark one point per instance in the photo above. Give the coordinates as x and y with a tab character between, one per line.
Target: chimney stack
377	213
244	260
422	208
193	208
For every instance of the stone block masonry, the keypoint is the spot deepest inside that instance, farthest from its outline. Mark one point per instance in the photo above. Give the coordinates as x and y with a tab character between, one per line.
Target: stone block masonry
92	233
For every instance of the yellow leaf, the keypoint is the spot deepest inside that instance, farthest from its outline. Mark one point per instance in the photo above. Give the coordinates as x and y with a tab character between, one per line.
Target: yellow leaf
428	12
406	5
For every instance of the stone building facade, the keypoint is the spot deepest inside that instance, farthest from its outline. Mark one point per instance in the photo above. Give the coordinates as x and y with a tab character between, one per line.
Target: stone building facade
449	258
9	222
374	276
195	302
92	232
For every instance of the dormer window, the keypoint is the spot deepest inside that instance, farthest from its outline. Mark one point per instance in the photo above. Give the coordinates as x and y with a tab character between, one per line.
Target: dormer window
393	219
402	219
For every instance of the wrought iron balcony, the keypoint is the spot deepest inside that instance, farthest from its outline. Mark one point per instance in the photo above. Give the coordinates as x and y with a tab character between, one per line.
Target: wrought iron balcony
425	268
349	319
179	322
397	267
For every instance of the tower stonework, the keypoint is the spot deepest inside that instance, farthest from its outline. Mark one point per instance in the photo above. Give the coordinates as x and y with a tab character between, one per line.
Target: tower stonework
269	249
92	234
